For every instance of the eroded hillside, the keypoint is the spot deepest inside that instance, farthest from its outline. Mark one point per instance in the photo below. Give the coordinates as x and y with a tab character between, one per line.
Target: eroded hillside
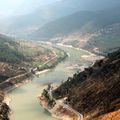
95	91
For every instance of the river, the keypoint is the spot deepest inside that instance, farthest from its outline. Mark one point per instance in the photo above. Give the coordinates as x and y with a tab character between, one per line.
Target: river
24	102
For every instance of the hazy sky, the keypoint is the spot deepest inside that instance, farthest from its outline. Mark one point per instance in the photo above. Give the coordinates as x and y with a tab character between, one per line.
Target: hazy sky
7	7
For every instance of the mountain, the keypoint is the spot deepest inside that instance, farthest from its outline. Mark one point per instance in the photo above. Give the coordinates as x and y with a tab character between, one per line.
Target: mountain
94	92
99	42
105	38
43	14
11	58
82	21
9	50
19	56
38	17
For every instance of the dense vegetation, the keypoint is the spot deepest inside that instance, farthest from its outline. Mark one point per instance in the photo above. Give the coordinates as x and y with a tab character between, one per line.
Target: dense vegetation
95	90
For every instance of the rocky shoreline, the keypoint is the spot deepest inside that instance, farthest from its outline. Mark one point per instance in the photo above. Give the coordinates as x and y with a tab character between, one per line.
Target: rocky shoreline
59	111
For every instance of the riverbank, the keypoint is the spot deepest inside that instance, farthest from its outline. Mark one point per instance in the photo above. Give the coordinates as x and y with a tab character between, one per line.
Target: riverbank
29	107
91	57
7	100
60	55
14	82
18	81
60	110
4	107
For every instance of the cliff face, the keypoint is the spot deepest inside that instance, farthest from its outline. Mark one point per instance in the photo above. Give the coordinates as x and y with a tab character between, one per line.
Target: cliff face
95	91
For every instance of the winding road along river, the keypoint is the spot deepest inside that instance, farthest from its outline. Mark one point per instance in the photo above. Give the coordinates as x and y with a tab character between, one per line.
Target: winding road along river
24	102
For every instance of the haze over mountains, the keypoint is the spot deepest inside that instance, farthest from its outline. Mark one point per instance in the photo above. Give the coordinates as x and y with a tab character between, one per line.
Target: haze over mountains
36	35
32	18
85	21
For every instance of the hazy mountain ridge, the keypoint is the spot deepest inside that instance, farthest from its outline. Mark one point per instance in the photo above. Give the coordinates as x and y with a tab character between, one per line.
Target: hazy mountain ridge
85	21
46	13
100	41
106	38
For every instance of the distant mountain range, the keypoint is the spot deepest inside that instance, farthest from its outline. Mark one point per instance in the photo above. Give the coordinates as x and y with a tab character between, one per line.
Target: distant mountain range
63	18
42	16
83	21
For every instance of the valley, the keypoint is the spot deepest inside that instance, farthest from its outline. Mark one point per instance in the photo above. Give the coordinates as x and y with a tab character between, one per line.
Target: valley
60	59
21	59
23	108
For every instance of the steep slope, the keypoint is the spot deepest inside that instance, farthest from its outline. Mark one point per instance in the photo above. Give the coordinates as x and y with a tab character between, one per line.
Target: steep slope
99	41
65	25
95	91
8	50
82	21
105	39
10	58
